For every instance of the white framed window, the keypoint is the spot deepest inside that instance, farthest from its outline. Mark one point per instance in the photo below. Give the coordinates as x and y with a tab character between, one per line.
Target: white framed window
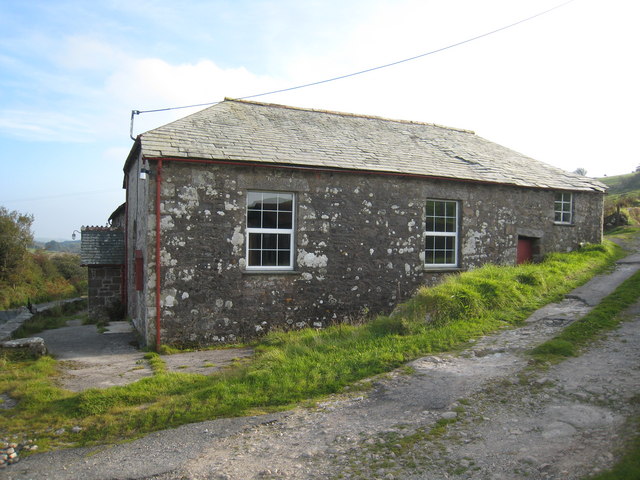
563	208
441	234
270	223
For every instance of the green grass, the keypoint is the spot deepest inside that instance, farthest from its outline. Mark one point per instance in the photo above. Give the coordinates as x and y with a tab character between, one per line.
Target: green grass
628	467
294	367
604	317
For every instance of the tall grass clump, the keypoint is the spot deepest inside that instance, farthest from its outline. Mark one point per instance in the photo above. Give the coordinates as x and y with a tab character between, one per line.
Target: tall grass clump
299	366
503	293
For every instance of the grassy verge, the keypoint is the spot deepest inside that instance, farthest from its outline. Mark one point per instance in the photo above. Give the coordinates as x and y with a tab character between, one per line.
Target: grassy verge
628	467
604	317
293	367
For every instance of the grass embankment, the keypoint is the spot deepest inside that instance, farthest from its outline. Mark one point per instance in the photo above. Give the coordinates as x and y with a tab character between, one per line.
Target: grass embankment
296	366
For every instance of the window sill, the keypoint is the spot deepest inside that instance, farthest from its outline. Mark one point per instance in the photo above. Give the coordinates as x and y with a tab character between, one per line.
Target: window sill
270	272
564	224
429	268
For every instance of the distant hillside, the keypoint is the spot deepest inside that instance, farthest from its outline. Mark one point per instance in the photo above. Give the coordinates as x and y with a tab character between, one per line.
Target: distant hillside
66	246
621	184
623	196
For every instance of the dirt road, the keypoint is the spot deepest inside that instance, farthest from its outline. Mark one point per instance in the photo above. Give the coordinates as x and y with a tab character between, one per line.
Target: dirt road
564	423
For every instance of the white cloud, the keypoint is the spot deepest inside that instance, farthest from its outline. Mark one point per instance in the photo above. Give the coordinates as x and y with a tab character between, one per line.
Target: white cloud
46	125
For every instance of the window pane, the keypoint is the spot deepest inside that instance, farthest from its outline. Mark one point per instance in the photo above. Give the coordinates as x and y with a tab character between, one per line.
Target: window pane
269	219
254	258
439	209
284	258
430	208
430	224
439	224
450	208
449	256
430	243
254	201
255	241
285	220
269	241
450	224
270	201
254	219
285	202
438	257
269	258
284	241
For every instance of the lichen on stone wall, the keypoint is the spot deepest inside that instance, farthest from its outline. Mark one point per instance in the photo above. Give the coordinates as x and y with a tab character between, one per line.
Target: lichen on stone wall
312	260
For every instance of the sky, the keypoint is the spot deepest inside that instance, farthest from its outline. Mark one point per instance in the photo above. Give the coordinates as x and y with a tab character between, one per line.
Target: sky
562	88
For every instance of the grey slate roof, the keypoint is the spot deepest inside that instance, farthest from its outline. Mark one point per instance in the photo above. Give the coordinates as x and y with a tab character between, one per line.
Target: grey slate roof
244	131
102	246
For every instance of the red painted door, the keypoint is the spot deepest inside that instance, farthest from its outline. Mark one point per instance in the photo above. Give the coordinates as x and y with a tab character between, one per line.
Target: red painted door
525	250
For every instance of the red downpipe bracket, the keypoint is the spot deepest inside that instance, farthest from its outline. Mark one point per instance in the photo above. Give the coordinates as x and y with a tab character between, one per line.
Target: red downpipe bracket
158	311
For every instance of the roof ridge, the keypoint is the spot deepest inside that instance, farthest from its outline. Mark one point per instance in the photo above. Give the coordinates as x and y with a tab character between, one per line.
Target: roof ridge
345	114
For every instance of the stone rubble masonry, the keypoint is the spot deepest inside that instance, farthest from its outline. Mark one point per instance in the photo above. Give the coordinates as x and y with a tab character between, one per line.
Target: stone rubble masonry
359	245
12	320
105	287
33	345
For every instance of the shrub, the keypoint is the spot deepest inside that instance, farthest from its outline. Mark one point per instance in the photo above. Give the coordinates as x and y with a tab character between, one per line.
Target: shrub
396	325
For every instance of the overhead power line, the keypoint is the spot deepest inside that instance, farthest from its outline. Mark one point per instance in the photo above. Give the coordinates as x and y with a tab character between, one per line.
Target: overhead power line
361	72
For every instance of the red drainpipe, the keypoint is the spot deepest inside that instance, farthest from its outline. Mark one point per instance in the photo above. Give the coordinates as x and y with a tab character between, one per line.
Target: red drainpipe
158	312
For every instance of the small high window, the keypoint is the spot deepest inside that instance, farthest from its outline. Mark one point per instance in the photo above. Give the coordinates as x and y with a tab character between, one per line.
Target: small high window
270	230
563	208
441	234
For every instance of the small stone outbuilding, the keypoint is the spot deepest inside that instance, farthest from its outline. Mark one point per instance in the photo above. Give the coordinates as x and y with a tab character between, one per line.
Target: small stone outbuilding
247	216
102	252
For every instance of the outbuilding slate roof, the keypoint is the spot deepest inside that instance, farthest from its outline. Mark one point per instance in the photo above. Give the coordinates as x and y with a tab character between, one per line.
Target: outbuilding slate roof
243	131
102	246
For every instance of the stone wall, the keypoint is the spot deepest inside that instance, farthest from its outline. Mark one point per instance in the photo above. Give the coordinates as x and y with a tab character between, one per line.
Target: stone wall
359	245
105	289
140	235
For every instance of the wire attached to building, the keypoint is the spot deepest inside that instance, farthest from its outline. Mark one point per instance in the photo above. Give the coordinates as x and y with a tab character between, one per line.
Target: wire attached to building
361	72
